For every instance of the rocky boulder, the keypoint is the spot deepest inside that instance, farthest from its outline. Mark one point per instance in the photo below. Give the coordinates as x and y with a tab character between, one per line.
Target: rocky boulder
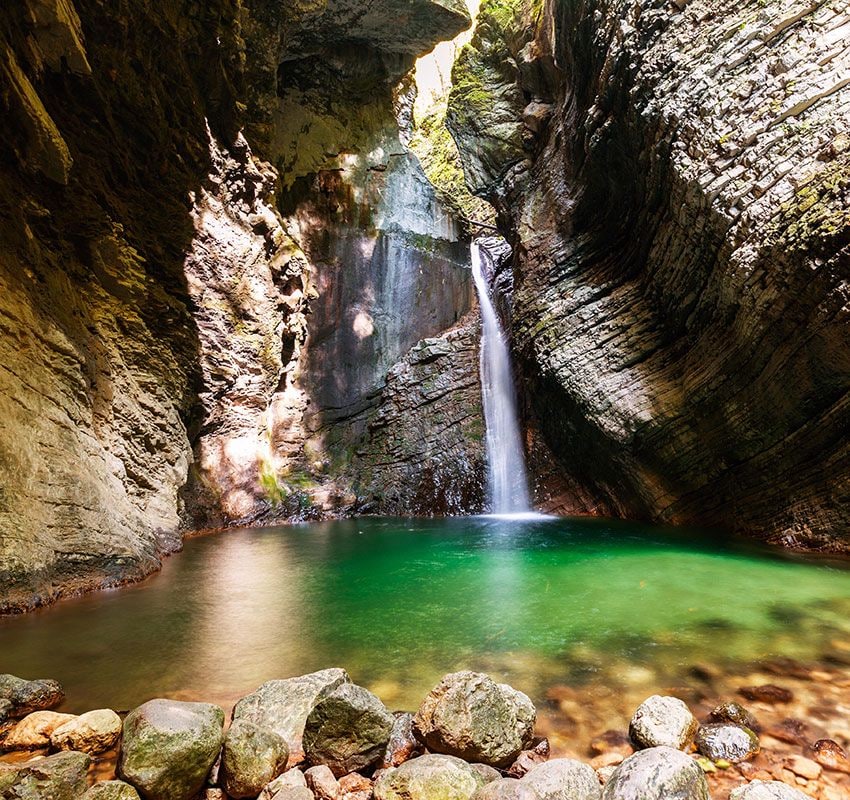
563	779
348	730
34	731
727	742
663	722
505	789
169	748
469	716
93	732
767	790
430	777
322	783
659	773
111	790
58	777
735	713
283	705
403	744
252	757
28	696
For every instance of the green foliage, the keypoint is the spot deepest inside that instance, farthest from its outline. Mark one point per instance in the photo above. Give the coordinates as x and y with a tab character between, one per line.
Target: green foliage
433	145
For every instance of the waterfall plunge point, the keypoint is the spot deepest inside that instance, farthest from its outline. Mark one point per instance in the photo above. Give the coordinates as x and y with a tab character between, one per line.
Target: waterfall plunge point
507	482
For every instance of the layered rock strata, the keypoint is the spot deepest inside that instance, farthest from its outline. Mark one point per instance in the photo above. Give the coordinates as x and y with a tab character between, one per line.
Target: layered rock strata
675	179
157	274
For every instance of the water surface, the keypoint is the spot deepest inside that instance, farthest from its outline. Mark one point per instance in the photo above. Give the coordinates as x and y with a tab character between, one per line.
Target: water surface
400	602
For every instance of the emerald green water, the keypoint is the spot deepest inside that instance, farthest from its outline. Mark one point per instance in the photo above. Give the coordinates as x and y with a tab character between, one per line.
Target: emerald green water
400	602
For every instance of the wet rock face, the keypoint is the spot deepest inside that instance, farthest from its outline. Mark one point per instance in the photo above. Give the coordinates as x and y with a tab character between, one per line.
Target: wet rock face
423	453
157	273
680	215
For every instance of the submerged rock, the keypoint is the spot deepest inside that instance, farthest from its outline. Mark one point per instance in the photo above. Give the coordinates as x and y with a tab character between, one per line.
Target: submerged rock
252	757
563	779
727	742
111	790
663	722
767	790
58	777
430	777
169	747
348	730
283	705
93	732
658	773
34	731
767	693
469	716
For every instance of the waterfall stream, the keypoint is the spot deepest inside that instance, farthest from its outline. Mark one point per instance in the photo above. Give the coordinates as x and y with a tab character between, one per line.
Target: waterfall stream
507	483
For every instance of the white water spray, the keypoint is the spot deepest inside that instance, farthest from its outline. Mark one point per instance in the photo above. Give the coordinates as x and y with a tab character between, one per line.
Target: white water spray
507	484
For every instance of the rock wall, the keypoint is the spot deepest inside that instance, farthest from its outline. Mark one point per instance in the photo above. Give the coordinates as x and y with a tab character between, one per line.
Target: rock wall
675	178
156	287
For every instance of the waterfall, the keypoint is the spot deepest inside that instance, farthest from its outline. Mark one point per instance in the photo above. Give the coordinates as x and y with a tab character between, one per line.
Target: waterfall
507	484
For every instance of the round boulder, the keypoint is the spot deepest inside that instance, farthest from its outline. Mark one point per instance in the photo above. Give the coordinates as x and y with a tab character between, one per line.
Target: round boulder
659	773
735	713
431	777
505	789
727	742
252	757
767	790
469	716
111	790
169	747
283	705
663	722
93	732
348	730
563	779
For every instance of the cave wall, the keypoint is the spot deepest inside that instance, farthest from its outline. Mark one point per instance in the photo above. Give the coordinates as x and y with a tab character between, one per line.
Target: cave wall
675	178
155	291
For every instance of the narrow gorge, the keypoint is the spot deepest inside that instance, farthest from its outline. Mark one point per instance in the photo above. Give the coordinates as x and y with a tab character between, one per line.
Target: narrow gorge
420	341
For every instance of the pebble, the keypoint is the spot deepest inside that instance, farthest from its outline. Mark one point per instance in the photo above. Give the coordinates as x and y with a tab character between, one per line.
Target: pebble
804	767
767	693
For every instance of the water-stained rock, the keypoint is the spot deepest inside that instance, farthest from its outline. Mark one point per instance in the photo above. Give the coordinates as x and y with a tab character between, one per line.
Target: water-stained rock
767	790
26	696
111	790
727	742
663	722
470	716
563	779
735	713
252	757
169	747
429	777
658	773
92	732
57	777
284	705
403	744
347	730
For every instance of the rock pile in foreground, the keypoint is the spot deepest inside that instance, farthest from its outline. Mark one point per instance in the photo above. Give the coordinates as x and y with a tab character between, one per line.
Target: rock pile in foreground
322	737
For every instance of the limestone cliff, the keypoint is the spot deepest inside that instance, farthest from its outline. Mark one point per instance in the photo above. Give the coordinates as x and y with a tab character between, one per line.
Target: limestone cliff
159	262
675	177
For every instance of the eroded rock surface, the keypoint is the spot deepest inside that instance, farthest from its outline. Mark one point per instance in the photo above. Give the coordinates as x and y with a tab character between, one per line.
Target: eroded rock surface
675	179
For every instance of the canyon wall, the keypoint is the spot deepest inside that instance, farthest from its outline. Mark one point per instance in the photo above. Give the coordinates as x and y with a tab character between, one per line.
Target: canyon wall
675	177
169	183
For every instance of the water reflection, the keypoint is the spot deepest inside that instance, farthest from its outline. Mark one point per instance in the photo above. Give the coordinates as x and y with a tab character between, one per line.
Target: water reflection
399	602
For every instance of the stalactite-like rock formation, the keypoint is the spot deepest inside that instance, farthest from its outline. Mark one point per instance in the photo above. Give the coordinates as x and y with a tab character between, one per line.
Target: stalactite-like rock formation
676	179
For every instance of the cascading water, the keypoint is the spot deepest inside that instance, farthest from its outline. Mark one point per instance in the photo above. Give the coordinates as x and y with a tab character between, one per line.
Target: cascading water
507	484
